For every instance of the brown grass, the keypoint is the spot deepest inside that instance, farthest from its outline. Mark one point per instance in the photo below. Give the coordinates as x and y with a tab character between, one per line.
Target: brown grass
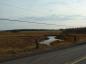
60	44
69	40
14	43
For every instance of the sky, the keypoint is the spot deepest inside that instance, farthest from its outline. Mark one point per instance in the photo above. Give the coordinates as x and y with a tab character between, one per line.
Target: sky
63	13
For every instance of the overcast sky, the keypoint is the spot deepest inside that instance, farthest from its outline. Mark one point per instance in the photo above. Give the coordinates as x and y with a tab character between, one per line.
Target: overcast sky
60	12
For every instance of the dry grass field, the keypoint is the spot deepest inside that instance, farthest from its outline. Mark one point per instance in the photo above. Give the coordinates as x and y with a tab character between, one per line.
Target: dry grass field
69	40
14	43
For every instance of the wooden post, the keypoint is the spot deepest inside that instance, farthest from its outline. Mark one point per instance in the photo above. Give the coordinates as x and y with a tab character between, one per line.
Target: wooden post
75	38
37	44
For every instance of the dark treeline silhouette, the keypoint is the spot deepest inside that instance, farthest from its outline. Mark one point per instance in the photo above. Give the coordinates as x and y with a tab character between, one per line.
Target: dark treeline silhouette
75	31
19	30
65	31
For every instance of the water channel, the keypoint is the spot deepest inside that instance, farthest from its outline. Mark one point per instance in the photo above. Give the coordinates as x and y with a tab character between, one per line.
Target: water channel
49	40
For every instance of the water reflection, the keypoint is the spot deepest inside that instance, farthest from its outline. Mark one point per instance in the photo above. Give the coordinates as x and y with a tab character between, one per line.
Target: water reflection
49	40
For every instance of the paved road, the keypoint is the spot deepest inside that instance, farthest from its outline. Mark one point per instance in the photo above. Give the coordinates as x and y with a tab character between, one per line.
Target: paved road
82	62
66	56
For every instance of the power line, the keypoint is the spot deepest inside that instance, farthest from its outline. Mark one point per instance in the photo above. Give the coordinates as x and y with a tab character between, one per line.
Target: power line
32	22
27	21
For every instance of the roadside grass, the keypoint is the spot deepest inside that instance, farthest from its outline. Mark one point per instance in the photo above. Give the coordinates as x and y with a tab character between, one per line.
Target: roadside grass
69	41
60	44
15	51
